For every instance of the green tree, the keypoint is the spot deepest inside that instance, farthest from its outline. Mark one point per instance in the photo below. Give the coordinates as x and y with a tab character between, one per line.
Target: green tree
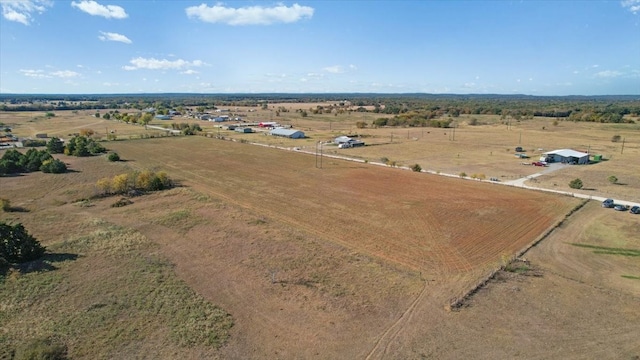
113	157
94	147
33	159
576	184
17	245
53	166
80	148
55	146
11	162
146	118
613	179
416	168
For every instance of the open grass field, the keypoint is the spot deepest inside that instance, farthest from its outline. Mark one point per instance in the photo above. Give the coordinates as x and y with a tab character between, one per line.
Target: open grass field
348	261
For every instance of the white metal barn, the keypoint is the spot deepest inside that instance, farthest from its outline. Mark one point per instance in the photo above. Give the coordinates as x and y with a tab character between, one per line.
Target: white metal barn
567	156
342	139
290	133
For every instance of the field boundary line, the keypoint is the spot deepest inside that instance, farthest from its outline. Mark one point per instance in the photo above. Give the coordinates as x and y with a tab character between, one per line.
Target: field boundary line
458	302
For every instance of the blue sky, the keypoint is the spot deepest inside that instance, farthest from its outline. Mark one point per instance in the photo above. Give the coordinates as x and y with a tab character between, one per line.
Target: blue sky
464	47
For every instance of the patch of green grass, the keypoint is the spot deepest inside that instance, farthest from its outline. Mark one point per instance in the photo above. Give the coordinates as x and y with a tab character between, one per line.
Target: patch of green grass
631	277
518	269
119	293
609	250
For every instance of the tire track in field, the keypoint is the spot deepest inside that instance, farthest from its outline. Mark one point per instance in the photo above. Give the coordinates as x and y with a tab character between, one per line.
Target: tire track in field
381	345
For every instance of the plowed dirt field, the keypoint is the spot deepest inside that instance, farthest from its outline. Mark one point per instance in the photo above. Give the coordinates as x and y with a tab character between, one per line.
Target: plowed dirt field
423	222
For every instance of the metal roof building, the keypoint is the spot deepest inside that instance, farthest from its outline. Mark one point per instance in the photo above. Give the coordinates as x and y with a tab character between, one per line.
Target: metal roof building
567	156
342	139
290	133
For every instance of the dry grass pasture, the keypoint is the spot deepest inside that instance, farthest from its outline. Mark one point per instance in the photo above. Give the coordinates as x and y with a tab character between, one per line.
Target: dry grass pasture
347	261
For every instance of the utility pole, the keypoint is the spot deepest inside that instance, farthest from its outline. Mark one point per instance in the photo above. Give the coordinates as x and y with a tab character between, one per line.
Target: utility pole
622	150
319	155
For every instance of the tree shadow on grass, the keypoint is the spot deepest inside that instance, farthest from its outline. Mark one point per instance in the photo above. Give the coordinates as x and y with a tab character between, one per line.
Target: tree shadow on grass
17	209
45	263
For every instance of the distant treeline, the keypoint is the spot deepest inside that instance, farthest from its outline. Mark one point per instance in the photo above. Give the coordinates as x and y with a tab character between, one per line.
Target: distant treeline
415	107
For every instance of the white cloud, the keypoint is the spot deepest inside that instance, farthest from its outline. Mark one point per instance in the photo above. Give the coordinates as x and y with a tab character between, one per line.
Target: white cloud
21	10
164	64
93	8
189	72
608	74
251	15
632	5
109	36
40	74
339	69
65	74
34	73
335	69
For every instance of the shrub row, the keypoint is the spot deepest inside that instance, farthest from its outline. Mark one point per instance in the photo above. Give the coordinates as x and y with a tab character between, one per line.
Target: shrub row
136	181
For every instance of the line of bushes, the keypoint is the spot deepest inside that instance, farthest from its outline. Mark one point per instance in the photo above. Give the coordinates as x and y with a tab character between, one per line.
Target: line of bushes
136	181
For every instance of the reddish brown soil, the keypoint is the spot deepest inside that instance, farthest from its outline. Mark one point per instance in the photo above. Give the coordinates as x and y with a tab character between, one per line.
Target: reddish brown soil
424	222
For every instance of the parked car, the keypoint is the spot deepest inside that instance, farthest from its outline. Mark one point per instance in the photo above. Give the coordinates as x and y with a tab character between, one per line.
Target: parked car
539	163
620	207
635	210
608	203
522	156
519	149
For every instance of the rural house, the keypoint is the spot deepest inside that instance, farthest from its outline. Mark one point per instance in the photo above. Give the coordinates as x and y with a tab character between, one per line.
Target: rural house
566	156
